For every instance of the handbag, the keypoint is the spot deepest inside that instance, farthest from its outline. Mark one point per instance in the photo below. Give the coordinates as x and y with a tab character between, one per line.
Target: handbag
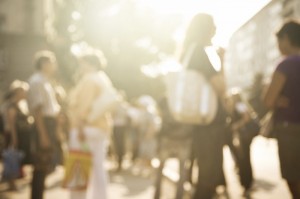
267	125
191	98
12	163
77	170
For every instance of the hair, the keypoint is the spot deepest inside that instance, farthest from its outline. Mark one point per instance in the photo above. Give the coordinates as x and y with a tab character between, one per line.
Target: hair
291	29
199	27
41	57
95	58
14	87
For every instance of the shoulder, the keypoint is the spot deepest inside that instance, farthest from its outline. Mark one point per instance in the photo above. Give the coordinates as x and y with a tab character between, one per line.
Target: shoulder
36	77
11	109
288	63
35	81
96	78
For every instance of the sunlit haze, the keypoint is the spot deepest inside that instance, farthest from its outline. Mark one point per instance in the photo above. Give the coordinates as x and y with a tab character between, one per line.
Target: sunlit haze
228	14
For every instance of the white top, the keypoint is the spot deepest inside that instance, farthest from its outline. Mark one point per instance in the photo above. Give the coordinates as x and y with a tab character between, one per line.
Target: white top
41	93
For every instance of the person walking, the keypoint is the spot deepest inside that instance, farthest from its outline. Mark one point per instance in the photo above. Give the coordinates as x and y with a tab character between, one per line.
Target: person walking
283	97
44	108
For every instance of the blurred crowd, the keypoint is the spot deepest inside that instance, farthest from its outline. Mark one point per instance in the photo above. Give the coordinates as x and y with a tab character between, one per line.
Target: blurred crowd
41	122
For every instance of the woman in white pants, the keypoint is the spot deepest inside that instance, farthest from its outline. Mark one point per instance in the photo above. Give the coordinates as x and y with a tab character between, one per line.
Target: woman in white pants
91	132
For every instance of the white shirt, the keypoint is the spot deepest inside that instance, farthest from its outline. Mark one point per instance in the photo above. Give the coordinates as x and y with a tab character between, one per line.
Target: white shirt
41	93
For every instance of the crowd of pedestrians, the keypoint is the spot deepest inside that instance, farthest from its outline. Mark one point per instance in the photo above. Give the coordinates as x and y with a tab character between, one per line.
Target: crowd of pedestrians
39	118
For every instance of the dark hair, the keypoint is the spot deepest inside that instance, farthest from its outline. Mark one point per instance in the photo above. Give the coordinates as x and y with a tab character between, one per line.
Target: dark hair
199	28
291	29
95	58
41	57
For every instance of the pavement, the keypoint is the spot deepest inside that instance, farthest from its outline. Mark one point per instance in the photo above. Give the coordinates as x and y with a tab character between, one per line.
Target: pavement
130	185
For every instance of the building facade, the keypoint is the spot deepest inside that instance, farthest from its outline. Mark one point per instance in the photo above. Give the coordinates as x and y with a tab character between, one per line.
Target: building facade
253	47
25	27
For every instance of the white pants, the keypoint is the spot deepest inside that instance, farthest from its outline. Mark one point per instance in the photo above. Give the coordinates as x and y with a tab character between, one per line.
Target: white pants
96	141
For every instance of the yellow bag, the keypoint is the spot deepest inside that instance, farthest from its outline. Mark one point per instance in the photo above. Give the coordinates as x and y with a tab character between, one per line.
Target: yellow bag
77	170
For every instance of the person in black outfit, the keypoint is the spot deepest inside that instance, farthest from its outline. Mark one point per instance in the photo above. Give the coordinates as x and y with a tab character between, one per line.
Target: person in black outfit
243	127
18	128
44	107
208	140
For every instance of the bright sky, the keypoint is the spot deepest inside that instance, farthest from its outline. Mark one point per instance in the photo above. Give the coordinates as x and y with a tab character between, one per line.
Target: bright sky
229	14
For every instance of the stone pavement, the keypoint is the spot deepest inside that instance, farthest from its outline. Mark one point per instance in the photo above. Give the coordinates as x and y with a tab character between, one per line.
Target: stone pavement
125	185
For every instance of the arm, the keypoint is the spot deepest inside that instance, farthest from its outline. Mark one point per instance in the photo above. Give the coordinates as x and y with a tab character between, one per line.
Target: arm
218	83
272	98
242	110
41	129
12	124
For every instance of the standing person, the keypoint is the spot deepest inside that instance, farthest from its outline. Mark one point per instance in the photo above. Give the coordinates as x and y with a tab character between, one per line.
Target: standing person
95	134
283	97
121	124
18	131
257	91
243	128
44	107
208	140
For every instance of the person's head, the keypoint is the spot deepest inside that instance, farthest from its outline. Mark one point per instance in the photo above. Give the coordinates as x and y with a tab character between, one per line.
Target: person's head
93	60
201	30
45	62
17	90
288	38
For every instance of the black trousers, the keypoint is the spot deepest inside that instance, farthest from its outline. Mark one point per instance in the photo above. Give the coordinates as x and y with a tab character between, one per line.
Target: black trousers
241	156
208	146
44	159
119	136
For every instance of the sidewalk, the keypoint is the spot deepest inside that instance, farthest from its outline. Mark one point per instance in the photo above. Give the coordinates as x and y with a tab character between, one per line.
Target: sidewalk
268	183
125	185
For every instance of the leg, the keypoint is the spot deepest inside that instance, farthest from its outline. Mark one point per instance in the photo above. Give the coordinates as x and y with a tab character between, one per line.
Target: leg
159	179
294	189
38	184
209	152
135	144
182	180
245	170
119	133
192	159
98	180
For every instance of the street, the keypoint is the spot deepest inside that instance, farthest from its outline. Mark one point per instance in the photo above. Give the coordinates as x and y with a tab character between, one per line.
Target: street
126	185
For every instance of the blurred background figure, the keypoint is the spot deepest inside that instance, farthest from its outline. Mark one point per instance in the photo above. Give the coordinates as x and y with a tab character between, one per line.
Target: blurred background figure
120	131
91	128
148	126
257	91
45	108
283	97
208	140
174	140
243	127
18	131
